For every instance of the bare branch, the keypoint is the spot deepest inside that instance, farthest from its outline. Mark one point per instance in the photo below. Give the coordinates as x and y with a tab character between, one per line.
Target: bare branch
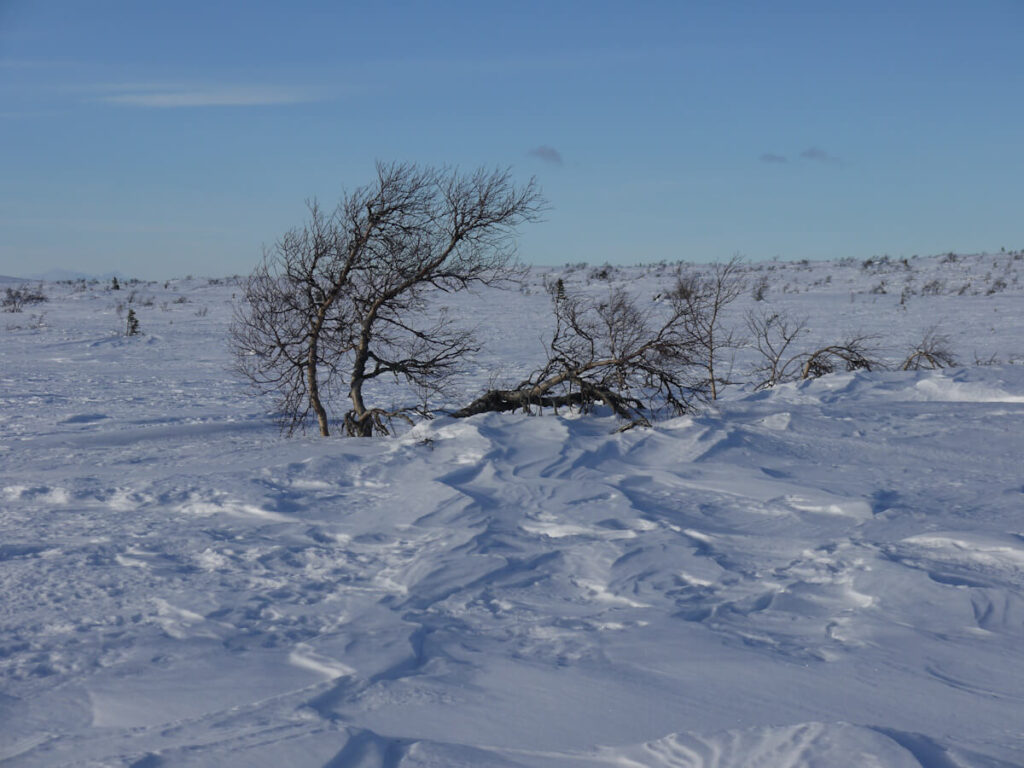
854	354
611	352
773	335
705	298
930	353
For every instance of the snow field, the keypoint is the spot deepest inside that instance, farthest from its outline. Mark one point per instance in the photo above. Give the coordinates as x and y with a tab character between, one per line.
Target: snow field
829	573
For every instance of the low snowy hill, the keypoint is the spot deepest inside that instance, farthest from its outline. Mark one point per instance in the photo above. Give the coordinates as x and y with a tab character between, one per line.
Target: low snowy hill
828	573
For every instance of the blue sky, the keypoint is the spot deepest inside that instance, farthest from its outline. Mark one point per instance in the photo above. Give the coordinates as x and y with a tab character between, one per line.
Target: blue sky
174	138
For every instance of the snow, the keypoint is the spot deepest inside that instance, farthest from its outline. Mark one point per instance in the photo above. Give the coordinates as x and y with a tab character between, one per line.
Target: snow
828	573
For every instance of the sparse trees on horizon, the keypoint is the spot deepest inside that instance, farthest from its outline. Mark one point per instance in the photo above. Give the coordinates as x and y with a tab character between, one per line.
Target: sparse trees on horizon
349	301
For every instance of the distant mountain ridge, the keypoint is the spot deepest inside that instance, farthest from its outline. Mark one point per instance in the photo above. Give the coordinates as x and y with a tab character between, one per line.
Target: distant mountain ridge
54	275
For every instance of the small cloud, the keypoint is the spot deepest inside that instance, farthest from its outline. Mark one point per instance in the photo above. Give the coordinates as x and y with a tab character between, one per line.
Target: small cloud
769	157
177	96
818	155
547	154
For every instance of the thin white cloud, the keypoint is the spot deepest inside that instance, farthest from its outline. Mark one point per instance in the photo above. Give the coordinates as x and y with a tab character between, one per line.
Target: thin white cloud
178	96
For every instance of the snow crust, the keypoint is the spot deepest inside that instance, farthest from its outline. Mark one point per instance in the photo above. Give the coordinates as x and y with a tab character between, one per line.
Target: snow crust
830	573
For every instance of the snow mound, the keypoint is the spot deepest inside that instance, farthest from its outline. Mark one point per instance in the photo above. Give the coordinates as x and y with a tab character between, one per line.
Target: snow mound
804	745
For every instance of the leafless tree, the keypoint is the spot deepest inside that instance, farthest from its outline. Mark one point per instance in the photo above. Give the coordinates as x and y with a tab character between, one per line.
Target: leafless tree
281	333
705	298
773	335
610	351
345	300
931	352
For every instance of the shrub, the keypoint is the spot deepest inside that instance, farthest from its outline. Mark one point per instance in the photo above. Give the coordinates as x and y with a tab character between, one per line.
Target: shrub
132	326
760	288
16	299
997	285
931	352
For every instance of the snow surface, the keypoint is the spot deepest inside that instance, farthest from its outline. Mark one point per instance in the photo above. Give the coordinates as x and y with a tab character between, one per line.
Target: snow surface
829	573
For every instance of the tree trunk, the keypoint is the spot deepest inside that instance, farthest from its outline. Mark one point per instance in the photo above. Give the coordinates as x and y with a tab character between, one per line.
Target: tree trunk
358	422
314	393
502	400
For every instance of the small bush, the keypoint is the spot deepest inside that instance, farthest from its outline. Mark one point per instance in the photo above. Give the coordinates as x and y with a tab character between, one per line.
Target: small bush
932	352
997	285
760	288
854	354
16	299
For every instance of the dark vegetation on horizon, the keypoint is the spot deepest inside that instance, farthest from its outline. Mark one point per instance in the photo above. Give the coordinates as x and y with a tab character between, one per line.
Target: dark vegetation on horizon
349	299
